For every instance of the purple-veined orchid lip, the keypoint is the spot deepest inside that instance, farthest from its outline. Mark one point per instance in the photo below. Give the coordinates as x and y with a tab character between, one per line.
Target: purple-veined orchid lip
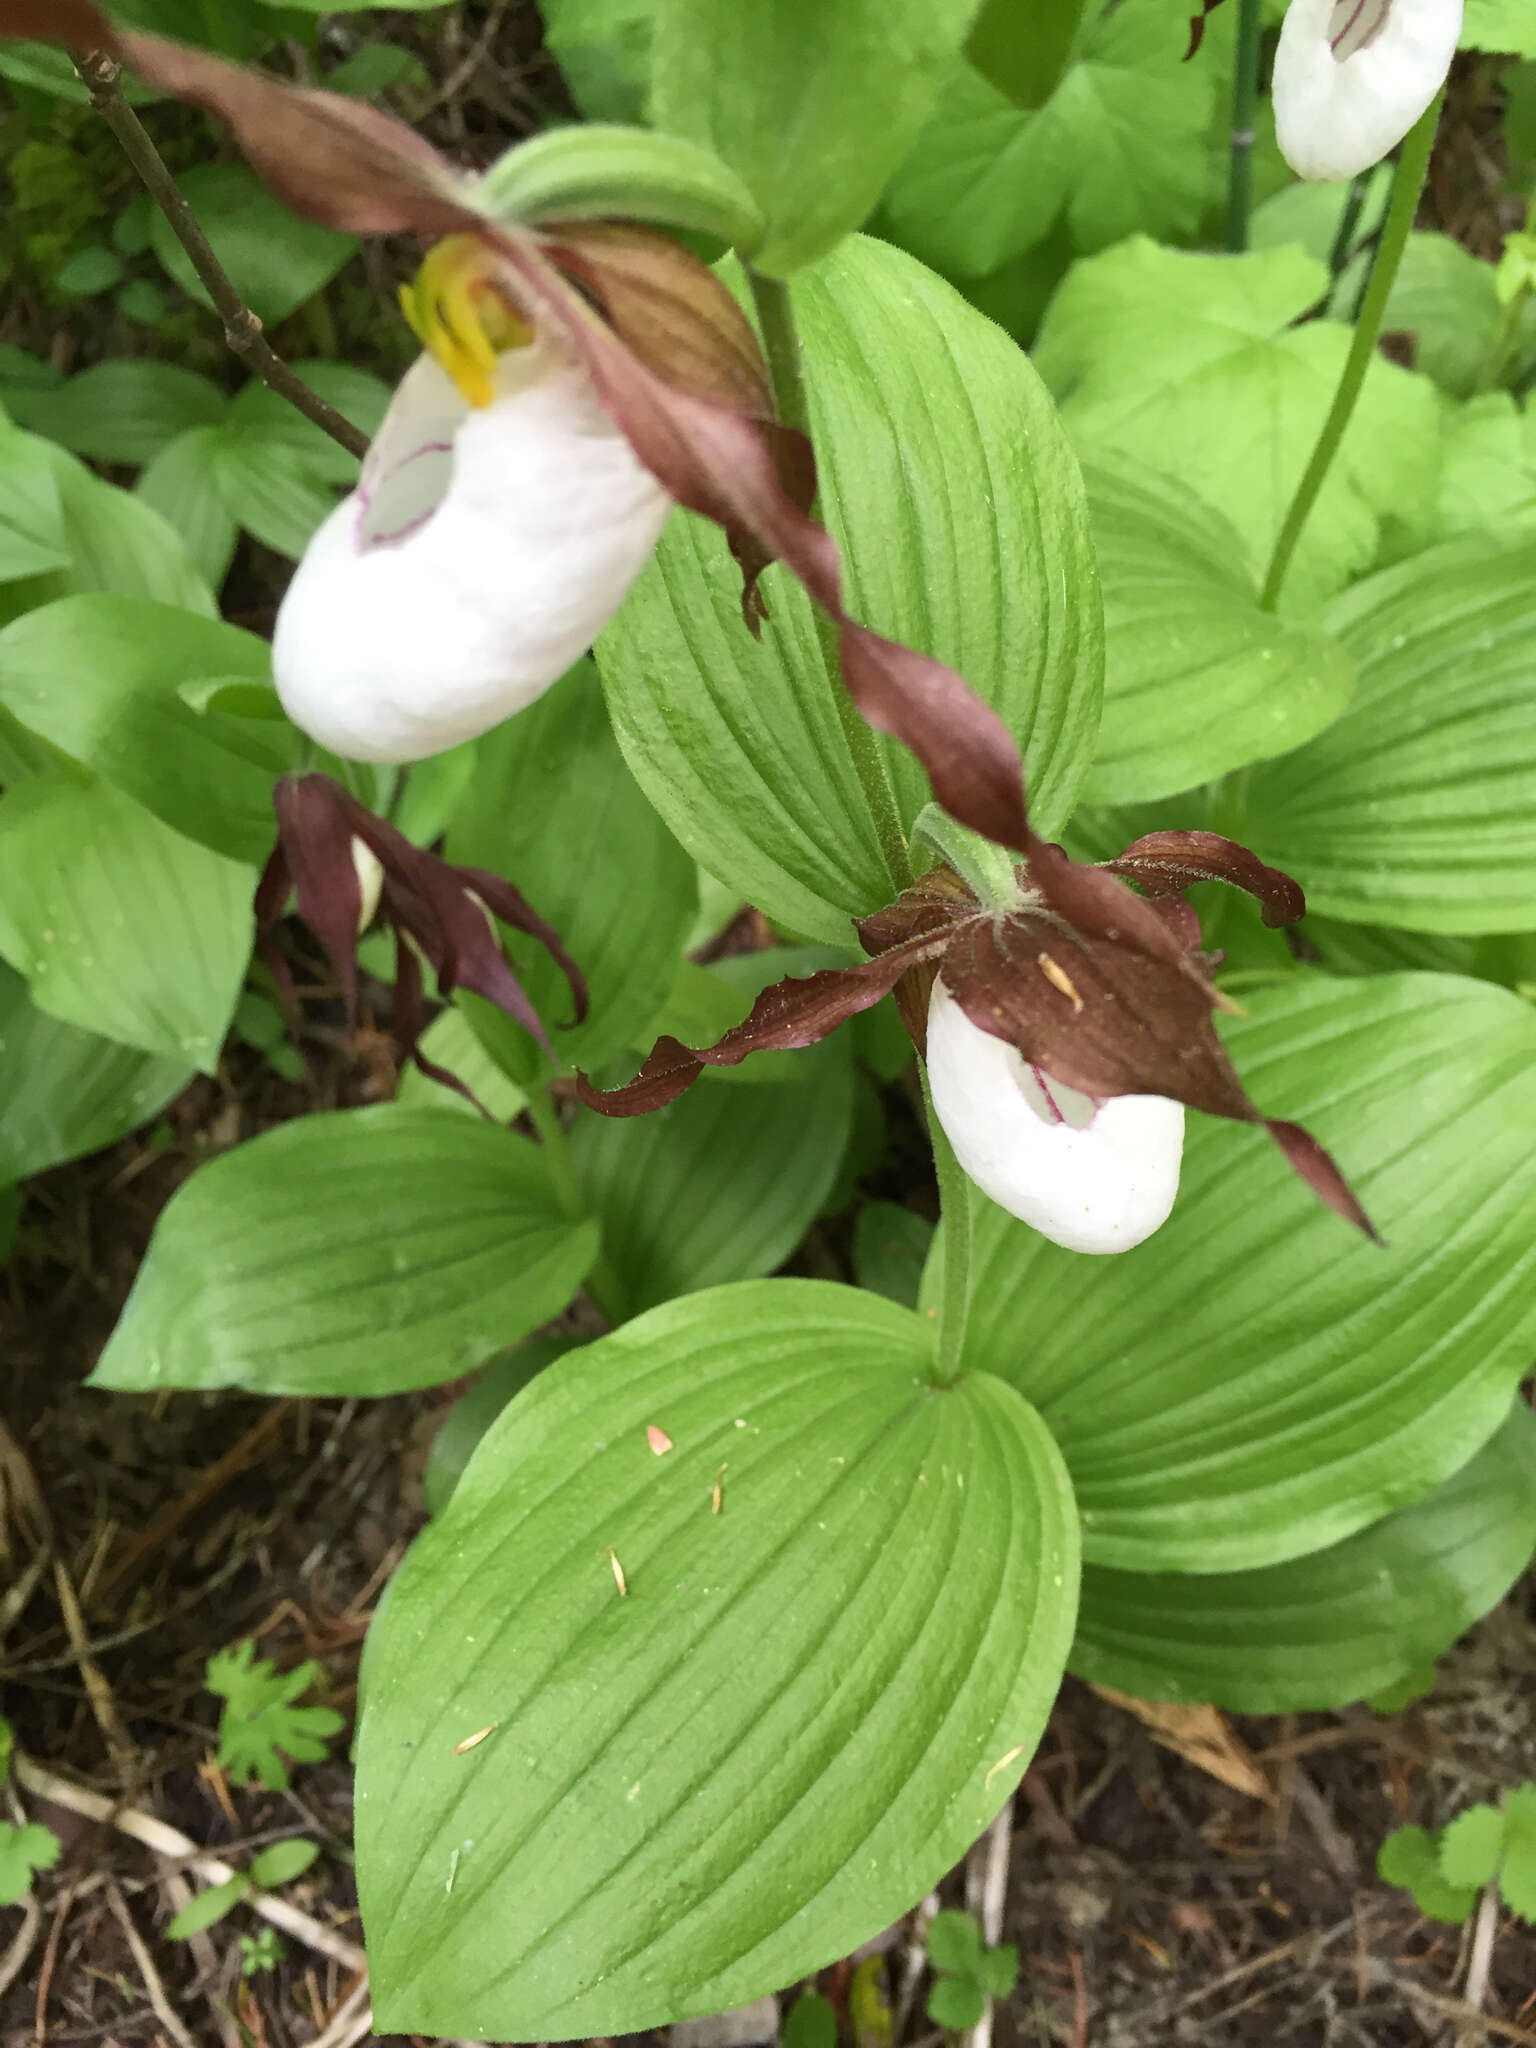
1092	1176
1352	76
481	554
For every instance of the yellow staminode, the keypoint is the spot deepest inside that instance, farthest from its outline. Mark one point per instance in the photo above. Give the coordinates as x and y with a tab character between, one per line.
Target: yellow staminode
457	313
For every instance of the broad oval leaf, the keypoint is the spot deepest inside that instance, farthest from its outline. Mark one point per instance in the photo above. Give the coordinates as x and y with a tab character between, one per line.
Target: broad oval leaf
100	678
123	410
551	805
1418	807
64	1091
357	1251
1257	1381
1198	681
720	1186
812	106
276	259
586	1812
1336	1626
121	925
947	480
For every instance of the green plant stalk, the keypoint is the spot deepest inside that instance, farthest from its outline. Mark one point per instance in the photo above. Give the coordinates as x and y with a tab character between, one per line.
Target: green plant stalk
602	1283
955	1224
1411	169
781	346
1245	95
1500	348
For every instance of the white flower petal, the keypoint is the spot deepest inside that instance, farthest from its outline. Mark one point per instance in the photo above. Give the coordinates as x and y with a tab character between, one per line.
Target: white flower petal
1352	76
481	554
1095	1177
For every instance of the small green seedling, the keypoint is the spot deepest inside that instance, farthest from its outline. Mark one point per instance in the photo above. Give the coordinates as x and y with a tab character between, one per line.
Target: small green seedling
280	1864
260	1718
260	1951
22	1851
966	1974
1486	1844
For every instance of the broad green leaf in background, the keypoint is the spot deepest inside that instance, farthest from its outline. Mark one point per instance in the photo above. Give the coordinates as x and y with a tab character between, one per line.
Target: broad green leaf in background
280	501
812	106
603	48
276	259
552	806
947	478
1024	51
1309	213
1418	807
1445	297
1119	148
1332	1627
1190	364
786	1729
65	1092
890	1245
101	678
112	542
722	1185
183	485
1257	1381
32	536
121	925
352	1252
474	1411
1505	25
122	411
271	421
1197	680
1488	482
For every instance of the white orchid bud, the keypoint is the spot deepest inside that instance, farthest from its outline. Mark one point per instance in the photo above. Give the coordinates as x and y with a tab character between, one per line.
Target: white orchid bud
1092	1176
1352	76
499	521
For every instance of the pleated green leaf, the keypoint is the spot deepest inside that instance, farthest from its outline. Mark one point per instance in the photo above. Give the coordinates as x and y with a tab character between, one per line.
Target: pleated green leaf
1257	1381
1418	807
1336	1626
1197	680
121	925
721	1186
947	480
65	1092
583	1810
101	679
352	1252
812	106
551	805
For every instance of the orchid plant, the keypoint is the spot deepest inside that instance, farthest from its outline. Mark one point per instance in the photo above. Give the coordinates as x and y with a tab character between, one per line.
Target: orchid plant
671	587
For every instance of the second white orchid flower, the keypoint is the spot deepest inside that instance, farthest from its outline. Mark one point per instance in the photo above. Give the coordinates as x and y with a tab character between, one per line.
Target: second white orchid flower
1352	76
499	521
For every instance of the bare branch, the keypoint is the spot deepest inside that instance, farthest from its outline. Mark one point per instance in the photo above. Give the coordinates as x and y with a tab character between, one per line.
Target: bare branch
242	329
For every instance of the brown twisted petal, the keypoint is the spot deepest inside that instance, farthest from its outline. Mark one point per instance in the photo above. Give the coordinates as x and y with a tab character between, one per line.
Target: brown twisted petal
788	1016
1163	863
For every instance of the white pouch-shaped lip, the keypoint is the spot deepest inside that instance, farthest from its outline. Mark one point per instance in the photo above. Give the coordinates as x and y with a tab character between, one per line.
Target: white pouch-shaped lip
481	554
1352	76
1091	1176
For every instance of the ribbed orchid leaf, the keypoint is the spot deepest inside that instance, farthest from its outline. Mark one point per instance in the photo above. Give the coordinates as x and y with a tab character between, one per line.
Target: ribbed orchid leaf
1254	1383
684	1725
1337	1625
352	1252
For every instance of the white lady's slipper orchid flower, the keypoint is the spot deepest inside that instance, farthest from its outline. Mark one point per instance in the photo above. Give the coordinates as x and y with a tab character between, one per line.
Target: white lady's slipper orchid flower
499	521
1352	76
1092	1176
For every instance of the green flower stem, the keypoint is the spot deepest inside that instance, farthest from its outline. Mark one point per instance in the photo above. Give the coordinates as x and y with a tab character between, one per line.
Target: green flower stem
955	1224
781	346
1245	96
1411	169
603	1284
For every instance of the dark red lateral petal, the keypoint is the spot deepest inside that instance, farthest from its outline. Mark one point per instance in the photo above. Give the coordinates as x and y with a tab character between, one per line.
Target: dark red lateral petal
786	1017
76	24
1321	1174
1163	863
315	829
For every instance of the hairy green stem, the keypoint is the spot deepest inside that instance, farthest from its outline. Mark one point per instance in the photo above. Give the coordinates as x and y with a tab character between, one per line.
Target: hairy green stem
603	1284
955	1223
781	346
1411	169
1245	95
